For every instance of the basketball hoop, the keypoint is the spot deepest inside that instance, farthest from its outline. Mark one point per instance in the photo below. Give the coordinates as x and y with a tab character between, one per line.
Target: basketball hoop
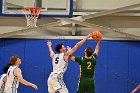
31	15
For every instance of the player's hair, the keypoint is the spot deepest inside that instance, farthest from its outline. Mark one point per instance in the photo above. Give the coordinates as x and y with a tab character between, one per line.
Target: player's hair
13	59
58	47
5	69
89	51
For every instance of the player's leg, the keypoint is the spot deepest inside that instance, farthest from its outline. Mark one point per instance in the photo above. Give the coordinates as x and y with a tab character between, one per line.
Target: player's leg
50	89
61	87
81	85
2	88
91	86
10	90
50	86
62	90
14	90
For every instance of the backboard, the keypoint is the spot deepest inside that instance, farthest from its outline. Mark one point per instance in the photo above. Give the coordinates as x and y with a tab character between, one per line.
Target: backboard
50	8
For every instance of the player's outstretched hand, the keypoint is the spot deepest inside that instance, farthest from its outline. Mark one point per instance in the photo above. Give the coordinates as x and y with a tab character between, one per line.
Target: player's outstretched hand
49	43
89	35
34	86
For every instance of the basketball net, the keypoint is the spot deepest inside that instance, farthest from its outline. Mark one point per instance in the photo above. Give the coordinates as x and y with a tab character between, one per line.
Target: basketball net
31	15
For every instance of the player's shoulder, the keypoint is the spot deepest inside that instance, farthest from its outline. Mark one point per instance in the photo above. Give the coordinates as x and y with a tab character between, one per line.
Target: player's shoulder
63	54
17	69
81	58
3	75
94	55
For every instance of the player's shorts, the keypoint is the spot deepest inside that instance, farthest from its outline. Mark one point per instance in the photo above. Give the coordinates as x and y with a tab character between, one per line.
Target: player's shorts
86	85
56	84
10	90
1	89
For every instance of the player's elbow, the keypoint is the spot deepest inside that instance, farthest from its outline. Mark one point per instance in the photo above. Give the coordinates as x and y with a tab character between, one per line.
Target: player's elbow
21	80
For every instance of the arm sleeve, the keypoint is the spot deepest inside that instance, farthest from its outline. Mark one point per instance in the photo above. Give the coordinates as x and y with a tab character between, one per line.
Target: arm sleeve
78	60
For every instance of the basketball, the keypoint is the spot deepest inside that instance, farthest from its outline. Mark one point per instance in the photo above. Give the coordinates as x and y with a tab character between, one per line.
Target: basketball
96	35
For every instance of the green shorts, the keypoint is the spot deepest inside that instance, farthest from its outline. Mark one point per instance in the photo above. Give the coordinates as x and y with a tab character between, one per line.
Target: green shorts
86	85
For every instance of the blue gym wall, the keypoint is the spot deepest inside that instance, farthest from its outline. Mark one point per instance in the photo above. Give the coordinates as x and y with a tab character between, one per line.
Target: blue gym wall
117	69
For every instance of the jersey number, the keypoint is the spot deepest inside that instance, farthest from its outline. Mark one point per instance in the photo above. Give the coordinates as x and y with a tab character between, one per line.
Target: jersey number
89	65
56	60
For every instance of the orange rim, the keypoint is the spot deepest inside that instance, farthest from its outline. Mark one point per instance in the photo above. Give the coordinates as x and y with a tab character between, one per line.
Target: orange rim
34	11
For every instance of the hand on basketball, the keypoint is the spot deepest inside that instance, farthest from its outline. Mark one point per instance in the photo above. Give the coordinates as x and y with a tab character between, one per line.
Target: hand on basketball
34	86
49	43
96	35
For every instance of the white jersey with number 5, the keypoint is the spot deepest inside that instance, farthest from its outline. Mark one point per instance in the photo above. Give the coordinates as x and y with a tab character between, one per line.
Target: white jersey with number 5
55	80
59	64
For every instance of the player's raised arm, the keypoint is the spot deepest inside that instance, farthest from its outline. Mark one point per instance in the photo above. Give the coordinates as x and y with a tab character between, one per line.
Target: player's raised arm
17	72
136	89
80	43
49	43
97	48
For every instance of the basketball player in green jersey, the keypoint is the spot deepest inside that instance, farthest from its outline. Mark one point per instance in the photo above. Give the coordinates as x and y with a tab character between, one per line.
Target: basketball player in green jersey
87	68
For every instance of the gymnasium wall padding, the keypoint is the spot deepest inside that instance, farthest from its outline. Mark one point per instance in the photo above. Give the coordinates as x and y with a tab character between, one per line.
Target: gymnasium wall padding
117	69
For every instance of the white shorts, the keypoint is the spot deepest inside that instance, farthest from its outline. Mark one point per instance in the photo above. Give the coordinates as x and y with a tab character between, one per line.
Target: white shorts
10	90
56	84
1	90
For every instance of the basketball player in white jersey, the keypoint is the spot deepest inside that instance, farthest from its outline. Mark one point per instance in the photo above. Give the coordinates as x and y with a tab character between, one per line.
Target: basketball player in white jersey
14	76
60	62
3	78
